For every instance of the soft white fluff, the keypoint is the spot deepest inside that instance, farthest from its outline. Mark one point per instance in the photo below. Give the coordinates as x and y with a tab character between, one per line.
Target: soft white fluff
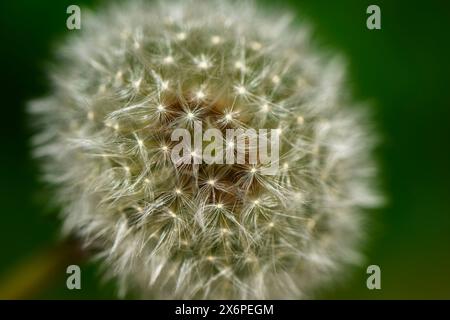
137	71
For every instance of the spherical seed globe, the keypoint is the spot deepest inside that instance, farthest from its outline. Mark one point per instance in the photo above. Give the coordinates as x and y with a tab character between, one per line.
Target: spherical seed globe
133	74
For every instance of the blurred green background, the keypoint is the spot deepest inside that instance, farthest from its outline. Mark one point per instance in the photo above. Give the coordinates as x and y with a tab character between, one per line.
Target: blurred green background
403	69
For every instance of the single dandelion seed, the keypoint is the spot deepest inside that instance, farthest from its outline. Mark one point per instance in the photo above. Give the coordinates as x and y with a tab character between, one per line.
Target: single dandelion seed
190	115
200	95
203	62
215	39
137	83
168	60
164	85
241	90
276	79
181	36
255	45
91	115
240	65
172	214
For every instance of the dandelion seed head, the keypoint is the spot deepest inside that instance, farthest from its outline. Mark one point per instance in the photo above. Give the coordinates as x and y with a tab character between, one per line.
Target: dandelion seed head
137	71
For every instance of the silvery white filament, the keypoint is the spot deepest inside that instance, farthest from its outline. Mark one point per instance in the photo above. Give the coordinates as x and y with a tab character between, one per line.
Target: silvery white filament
137	71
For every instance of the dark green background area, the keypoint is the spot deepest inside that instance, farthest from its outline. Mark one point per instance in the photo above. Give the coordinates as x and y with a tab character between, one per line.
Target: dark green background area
403	69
